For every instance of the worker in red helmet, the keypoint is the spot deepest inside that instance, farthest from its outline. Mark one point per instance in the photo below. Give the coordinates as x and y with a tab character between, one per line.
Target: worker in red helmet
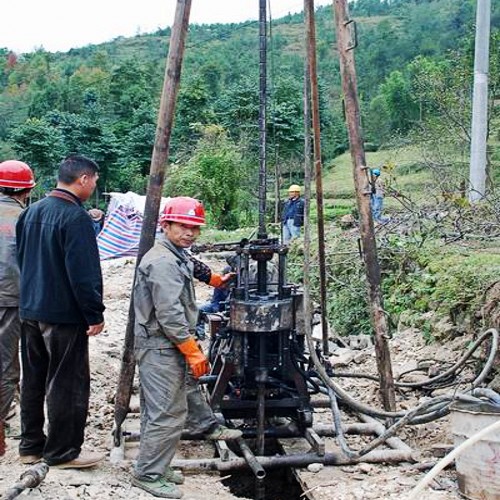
167	354
16	182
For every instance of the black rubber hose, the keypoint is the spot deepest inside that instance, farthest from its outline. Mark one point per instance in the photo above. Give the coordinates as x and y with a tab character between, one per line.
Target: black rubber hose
453	370
367	410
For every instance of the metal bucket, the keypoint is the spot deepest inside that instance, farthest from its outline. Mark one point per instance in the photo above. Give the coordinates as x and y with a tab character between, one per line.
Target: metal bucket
478	467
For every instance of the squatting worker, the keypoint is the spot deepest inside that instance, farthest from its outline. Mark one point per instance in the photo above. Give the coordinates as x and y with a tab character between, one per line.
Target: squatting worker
292	217
16	183
60	306
168	356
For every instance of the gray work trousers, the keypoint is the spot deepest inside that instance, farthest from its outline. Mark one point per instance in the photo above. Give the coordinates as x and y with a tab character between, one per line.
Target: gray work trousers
170	399
10	333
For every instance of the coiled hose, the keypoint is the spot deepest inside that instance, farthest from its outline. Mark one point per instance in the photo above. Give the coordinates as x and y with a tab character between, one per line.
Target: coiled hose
432	409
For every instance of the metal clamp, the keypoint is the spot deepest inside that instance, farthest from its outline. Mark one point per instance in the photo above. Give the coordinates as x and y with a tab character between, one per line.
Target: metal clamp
354	39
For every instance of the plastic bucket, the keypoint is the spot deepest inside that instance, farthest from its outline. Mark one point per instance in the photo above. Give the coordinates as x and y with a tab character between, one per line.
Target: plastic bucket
478	467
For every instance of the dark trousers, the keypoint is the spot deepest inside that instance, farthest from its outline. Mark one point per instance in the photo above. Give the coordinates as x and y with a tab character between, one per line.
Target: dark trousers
55	363
10	332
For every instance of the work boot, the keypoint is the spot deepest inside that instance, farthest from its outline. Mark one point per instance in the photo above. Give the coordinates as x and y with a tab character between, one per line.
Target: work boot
158	487
30	459
83	461
173	476
223	433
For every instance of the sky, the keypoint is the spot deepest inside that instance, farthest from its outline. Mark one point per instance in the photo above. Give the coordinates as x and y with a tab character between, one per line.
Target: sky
59	25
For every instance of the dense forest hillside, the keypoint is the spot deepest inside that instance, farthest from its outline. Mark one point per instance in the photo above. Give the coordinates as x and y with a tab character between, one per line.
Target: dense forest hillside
414	64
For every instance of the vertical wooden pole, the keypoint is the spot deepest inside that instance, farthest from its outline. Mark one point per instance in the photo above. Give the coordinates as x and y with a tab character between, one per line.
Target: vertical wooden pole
361	181
153	196
313	76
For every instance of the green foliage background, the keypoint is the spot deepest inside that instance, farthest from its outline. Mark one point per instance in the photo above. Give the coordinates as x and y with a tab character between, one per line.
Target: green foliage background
414	67
414	74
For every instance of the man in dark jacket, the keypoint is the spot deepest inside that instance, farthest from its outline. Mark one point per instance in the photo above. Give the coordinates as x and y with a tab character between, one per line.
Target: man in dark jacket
292	217
60	306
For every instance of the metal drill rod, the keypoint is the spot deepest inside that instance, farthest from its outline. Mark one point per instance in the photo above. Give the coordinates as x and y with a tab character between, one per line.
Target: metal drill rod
295	460
262	116
252	462
29	479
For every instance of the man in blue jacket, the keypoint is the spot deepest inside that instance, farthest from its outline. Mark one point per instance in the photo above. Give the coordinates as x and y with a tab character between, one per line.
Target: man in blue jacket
60	306
292	217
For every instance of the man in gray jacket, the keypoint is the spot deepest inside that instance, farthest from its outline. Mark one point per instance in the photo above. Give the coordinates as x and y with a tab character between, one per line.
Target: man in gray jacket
168	356
16	183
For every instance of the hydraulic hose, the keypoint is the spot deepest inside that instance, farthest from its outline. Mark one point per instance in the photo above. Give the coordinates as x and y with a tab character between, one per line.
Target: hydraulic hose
451	371
367	410
461	362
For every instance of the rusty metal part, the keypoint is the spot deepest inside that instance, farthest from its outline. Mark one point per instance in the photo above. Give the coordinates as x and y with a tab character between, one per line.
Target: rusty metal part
285	431
253	352
296	460
261	317
29	479
230	246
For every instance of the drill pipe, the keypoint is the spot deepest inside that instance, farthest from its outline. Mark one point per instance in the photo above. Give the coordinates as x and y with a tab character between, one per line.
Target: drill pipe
29	479
323	430
250	459
296	460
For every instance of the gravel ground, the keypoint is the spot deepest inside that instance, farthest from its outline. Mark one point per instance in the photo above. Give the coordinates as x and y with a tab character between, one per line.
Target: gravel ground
362	481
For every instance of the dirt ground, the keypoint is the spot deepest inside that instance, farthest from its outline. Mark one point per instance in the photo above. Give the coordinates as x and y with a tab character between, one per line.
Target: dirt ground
362	481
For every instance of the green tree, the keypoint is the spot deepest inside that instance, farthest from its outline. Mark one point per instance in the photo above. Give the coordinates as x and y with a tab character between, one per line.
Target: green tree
394	109
193	111
41	146
213	174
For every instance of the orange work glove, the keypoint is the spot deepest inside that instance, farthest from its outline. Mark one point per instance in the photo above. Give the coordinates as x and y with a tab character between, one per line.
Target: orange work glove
196	360
216	280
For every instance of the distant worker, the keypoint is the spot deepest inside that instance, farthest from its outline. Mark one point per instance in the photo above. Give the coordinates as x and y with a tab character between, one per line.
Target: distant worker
166	348
97	216
377	196
61	306
16	183
292	217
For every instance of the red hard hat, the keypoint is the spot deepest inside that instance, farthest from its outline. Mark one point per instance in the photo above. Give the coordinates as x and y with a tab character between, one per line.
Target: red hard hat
16	175
184	210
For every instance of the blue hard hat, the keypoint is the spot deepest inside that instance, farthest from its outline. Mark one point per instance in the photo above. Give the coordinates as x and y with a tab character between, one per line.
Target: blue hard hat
376	171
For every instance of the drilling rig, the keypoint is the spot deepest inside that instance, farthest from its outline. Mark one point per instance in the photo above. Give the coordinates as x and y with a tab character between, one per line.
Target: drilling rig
257	353
257	343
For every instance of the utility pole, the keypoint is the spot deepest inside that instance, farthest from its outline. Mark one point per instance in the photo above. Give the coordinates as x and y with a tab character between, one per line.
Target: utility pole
479	132
153	197
318	169
345	47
